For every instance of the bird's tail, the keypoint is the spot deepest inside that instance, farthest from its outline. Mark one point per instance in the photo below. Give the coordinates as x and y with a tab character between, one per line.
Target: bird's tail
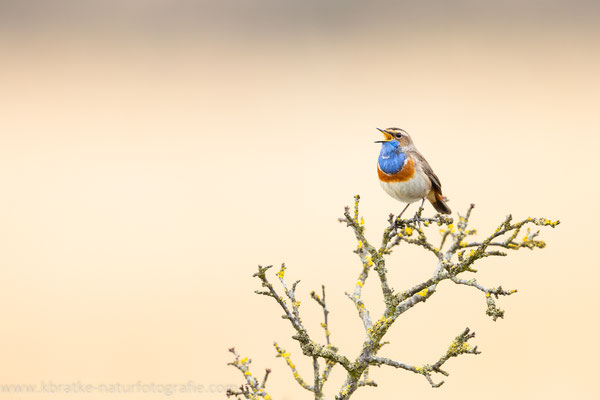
438	202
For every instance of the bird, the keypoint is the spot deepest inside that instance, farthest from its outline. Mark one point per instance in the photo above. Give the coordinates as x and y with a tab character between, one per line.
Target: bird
405	174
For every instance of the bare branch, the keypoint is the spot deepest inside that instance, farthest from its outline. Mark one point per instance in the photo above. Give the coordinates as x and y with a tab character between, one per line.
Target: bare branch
492	310
264	382
323	304
459	346
252	389
455	255
286	356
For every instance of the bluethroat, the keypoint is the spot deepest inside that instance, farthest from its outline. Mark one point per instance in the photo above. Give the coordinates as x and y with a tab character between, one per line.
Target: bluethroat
405	174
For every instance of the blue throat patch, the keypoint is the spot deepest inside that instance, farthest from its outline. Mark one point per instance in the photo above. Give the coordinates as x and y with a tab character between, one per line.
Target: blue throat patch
391	157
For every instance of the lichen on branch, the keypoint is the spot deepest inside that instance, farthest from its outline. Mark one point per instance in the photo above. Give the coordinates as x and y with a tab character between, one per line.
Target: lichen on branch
252	389
455	254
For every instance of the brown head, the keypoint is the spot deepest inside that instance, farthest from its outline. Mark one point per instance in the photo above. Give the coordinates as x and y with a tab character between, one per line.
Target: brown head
399	135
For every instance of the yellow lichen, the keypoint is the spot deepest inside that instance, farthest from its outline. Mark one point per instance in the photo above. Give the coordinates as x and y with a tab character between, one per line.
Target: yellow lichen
281	272
452	348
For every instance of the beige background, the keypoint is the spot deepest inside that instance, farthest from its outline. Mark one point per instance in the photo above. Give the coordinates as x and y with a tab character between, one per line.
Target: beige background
152	154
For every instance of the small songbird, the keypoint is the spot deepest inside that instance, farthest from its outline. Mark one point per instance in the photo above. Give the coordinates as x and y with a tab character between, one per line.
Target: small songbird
405	174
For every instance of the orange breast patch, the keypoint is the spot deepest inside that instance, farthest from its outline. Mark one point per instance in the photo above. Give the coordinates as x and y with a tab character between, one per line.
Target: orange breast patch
407	172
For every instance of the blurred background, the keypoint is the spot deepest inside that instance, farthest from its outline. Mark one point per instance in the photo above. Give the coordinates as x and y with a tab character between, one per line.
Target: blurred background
152	153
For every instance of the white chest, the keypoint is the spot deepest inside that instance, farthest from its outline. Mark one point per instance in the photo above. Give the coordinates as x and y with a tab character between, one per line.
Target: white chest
410	191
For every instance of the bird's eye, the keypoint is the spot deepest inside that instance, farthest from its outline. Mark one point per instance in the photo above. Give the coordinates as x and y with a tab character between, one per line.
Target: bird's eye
398	135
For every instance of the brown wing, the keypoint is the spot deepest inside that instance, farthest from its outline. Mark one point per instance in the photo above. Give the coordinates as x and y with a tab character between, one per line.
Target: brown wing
435	195
436	185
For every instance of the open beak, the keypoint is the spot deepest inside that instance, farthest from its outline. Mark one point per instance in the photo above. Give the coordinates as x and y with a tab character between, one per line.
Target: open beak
387	136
